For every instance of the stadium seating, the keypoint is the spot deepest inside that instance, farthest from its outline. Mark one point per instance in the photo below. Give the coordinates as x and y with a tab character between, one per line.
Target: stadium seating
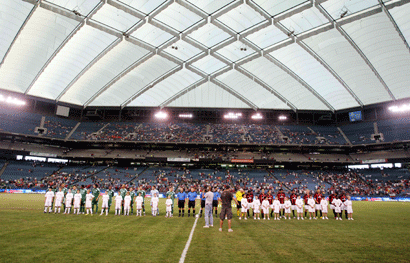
395	129
359	133
19	121
58	127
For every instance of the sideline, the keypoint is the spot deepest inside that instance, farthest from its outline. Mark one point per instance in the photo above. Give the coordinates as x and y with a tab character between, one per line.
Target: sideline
182	259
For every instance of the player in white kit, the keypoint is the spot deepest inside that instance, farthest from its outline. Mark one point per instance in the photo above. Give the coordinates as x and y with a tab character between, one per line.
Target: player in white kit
299	207
244	207
59	200
68	200
154	204
338	208
118	203
276	208
265	207
323	204
287	205
127	204
311	207
105	206
256	208
77	202
349	208
168	204
88	198
48	202
138	203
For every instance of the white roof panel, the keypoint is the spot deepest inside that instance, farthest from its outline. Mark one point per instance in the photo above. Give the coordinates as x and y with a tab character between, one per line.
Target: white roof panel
152	35
267	37
134	81
145	6
208	95
209	35
41	36
379	41
275	7
241	18
182	50
166	88
317	76
178	17
84	7
209	64
284	84
115	18
337	8
236	51
85	45
210	6
304	21
101	73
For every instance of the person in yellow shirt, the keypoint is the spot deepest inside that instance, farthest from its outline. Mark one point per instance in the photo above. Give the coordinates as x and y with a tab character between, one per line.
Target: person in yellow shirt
239	195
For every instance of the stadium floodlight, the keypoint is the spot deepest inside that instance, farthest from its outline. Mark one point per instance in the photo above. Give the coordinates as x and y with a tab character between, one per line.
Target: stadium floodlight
11	100
282	118
233	115
401	108
186	115
257	116
161	115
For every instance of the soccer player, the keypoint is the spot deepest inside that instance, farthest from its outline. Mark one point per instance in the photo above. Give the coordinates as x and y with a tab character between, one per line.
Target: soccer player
132	194
154	203
239	195
262	196
138	203
142	192
276	208
77	202
281	196
312	206
202	197
171	194
191	201
287	206
68	200
270	199
338	208
332	196
59	200
64	189
244	207
88	199
96	194
118	204
305	201
127	203
48	202
215	201
343	198
181	196
123	192
265	208
318	198
299	207
154	191
83	193
110	193
256	208
249	197
293	198
323	205
349	208
168	204
105	205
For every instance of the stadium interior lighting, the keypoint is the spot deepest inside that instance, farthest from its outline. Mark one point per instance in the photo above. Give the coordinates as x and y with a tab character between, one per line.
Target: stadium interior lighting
401	108
233	115
257	116
11	100
282	118
186	115
161	115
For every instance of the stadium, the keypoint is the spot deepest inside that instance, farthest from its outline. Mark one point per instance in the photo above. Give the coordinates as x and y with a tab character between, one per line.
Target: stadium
268	98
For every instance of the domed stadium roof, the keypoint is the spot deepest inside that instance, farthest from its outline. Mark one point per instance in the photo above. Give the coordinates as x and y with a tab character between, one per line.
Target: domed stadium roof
260	54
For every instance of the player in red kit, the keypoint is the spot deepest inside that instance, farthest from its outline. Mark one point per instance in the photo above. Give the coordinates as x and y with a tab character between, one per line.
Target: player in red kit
281	196
262	196
249	198
343	198
305	199
292	199
270	199
318	198
332	196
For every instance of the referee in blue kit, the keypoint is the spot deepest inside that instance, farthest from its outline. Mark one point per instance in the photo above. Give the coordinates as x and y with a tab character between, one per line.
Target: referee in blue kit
191	201
181	196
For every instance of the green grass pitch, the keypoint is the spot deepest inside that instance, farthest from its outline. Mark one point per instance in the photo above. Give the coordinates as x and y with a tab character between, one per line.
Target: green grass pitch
379	233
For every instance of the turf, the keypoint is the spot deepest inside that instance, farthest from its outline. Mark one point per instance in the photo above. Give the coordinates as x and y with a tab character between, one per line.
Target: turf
379	233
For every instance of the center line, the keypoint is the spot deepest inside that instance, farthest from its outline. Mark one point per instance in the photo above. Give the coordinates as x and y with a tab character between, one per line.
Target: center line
182	259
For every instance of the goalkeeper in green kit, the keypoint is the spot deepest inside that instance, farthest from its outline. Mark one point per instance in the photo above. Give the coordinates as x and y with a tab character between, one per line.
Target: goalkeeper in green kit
171	194
142	192
132	194
96	194
123	191
110	193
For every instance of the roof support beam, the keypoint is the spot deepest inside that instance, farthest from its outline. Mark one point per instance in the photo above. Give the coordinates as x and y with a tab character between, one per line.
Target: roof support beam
18	33
118	77
234	93
182	92
358	50
151	85
266	86
84	70
299	79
